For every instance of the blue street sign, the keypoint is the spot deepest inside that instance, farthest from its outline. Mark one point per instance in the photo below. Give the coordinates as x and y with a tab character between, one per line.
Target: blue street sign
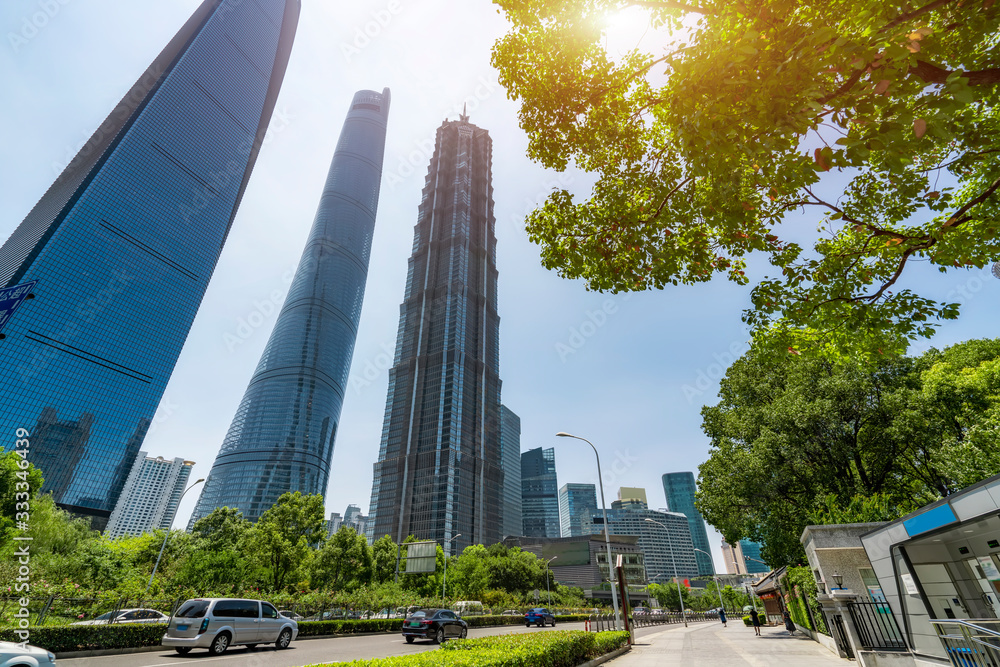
11	298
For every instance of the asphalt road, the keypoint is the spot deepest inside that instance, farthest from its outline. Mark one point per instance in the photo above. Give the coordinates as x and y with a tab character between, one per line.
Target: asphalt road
301	652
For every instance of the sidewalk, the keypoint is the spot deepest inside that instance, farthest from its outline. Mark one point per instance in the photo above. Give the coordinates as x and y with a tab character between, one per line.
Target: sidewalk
710	645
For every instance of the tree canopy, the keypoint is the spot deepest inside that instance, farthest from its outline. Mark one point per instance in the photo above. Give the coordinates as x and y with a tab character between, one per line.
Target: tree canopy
812	441
874	121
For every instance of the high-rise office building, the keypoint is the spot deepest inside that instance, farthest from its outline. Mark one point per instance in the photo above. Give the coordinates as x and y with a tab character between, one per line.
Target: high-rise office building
439	472
539	493
668	552
149	500
679	488
118	252
510	455
577	504
351	515
282	436
334	523
743	558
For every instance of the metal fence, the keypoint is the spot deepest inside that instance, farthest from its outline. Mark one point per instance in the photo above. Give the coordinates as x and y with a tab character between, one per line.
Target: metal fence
877	629
606	622
968	643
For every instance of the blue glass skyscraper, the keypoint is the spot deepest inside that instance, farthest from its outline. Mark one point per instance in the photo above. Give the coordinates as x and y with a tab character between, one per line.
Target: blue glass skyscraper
282	436
120	249
539	493
679	488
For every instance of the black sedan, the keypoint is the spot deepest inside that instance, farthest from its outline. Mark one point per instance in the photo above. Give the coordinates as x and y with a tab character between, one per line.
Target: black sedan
434	624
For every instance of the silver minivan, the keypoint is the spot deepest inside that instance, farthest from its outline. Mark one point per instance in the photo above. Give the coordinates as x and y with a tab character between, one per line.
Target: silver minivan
218	623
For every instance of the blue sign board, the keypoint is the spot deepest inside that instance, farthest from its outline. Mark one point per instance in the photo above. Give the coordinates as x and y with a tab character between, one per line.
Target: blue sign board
11	298
942	515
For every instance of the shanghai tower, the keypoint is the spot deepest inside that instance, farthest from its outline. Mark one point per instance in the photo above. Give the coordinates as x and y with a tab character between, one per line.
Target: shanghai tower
282	436
439	471
100	283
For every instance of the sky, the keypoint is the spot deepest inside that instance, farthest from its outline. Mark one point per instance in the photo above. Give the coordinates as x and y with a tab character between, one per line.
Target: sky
628	372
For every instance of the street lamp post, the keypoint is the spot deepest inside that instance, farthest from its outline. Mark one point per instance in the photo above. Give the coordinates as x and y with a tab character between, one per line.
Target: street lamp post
444	584
166	537
547	591
673	564
607	540
722	605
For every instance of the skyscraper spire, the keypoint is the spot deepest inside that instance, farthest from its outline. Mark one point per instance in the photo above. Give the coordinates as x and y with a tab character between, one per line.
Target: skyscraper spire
282	436
464	117
439	470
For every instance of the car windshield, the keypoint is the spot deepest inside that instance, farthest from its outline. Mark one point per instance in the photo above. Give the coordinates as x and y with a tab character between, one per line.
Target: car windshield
192	609
106	616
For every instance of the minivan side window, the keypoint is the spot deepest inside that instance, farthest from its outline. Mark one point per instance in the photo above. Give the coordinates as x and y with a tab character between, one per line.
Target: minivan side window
267	611
227	608
247	609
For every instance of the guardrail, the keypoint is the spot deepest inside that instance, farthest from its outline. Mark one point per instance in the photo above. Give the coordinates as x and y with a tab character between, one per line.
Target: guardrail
606	622
877	629
968	643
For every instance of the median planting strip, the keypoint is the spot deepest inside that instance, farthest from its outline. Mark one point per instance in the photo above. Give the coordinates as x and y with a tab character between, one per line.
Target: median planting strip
563	648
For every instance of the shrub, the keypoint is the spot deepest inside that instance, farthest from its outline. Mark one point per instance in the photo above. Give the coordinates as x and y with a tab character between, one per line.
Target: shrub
62	639
551	649
746	621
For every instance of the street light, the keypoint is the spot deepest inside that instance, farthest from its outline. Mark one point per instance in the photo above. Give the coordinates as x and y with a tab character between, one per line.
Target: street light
547	591
167	537
607	540
673	564
722	605
444	583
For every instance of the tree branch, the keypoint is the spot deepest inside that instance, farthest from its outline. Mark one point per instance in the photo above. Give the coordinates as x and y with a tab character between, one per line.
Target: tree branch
931	73
960	217
930	7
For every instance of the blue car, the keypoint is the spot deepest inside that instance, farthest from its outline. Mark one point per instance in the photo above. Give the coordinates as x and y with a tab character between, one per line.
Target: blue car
539	616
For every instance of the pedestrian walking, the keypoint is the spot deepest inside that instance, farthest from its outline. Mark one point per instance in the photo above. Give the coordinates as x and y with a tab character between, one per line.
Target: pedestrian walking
789	625
722	616
755	619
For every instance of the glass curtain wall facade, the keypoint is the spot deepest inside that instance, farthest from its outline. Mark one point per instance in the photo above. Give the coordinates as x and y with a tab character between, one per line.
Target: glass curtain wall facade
121	247
282	436
665	550
510	454
577	504
539	493
679	488
439	471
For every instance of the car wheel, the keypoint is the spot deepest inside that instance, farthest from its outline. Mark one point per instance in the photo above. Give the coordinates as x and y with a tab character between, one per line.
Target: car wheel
439	637
553	622
527	625
284	639
409	639
183	650
219	644
465	633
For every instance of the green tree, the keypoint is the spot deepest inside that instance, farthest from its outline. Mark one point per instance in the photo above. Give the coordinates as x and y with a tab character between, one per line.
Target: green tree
384	554
20	483
666	595
877	121
283	536
804	440
344	562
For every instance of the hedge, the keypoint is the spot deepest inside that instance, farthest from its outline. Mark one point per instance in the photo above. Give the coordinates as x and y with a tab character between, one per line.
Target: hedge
564	648
66	638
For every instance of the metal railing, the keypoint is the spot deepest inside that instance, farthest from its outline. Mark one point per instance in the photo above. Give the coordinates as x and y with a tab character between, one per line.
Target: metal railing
970	643
606	622
877	629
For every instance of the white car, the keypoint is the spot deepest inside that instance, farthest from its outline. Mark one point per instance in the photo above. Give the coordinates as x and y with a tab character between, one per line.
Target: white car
12	655
127	616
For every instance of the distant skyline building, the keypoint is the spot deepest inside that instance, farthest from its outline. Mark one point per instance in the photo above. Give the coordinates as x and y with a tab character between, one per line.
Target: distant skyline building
333	524
284	431
743	558
150	497
118	252
351	515
510	456
439	472
577	504
679	489
664	550
630	494
539	493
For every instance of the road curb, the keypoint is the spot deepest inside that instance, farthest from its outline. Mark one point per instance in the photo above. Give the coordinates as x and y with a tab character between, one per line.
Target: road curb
607	656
